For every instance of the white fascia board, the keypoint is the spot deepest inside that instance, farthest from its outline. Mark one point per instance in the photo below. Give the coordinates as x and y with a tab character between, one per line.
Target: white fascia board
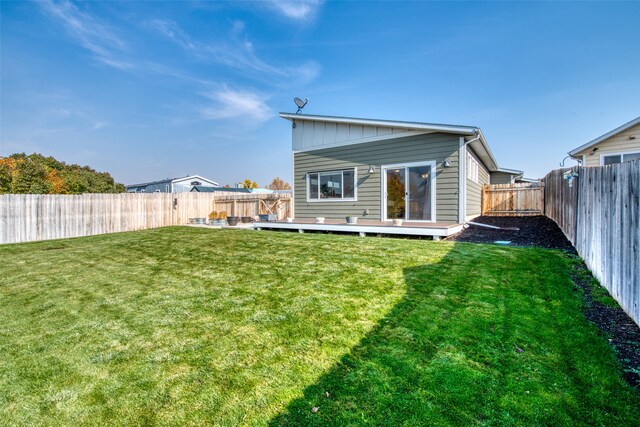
511	171
462	130
607	135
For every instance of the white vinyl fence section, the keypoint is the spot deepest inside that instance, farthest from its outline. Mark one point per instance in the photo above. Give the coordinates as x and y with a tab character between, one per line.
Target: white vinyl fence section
600	215
32	217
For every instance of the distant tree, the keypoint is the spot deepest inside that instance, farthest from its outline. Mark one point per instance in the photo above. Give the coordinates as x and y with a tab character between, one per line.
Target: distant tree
30	178
37	174
247	183
278	184
226	186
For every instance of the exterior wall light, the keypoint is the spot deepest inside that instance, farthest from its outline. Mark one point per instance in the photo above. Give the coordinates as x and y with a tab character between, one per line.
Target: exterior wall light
446	163
372	168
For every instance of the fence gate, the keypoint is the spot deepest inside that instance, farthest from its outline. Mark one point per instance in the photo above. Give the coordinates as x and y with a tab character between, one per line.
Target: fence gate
523	199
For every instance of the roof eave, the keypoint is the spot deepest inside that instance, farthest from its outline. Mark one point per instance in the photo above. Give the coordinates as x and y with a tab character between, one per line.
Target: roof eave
607	135
461	130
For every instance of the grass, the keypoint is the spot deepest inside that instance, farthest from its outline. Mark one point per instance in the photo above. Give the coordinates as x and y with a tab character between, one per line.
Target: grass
185	326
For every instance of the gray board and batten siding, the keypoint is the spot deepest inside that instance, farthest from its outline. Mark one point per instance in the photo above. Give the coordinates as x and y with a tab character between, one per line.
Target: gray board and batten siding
474	189
403	149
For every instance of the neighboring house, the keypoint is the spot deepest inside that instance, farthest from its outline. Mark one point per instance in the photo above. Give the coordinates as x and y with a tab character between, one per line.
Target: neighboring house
385	170
620	145
509	176
234	190
172	185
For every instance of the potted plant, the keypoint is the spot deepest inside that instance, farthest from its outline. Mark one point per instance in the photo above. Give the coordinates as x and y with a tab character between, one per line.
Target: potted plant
319	220
213	218
222	218
233	220
397	222
352	219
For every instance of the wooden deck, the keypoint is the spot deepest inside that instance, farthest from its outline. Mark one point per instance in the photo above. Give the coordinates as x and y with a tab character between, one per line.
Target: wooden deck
365	226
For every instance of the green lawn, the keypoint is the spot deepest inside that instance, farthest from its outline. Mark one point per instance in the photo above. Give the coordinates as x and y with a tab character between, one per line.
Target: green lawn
188	326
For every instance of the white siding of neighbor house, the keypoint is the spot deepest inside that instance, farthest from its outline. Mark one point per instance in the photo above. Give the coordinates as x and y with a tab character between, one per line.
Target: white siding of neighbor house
620	143
474	189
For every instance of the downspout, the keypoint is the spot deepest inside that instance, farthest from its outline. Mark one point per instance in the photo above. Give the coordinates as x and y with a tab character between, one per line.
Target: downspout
462	166
473	139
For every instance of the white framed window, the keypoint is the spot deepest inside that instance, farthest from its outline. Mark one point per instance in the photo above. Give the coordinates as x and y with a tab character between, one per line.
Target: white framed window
332	186
472	168
611	159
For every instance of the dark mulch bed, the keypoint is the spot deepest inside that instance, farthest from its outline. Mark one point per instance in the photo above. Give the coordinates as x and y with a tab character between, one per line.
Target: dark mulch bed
540	231
534	231
622	332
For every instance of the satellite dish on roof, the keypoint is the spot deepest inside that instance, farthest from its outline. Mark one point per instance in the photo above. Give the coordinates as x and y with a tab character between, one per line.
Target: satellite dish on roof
300	103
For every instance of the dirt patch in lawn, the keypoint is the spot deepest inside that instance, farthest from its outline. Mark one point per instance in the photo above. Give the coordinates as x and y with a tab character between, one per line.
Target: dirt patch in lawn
537	231
600	309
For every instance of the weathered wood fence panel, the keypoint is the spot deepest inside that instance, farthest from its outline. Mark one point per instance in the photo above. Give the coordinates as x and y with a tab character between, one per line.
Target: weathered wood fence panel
561	201
600	215
253	205
522	199
32	217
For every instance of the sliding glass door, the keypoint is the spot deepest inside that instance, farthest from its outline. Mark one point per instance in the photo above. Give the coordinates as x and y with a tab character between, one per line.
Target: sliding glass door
409	191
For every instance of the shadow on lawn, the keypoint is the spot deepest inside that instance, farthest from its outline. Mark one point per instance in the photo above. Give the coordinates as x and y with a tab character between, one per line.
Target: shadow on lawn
382	380
462	348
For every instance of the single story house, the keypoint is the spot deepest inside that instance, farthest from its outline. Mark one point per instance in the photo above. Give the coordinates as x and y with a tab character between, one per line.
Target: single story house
385	170
619	145
172	185
509	176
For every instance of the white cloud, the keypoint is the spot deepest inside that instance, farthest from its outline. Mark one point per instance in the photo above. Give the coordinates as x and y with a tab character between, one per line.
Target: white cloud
236	52
172	31
230	103
301	10
89	33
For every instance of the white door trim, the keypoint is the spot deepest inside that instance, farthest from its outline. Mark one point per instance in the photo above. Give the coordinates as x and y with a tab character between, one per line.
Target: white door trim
383	192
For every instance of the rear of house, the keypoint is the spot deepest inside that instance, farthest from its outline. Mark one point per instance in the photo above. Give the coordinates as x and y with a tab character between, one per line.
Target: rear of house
385	170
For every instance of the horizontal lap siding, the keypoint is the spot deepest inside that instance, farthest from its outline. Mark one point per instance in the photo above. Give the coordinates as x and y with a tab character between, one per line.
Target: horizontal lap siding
621	142
474	189
501	178
434	147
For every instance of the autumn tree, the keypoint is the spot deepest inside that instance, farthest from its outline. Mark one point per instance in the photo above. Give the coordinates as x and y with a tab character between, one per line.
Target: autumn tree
278	184
37	174
247	183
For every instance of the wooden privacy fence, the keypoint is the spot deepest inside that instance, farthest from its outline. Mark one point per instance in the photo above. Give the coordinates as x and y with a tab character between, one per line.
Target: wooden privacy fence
523	199
31	217
600	215
253	205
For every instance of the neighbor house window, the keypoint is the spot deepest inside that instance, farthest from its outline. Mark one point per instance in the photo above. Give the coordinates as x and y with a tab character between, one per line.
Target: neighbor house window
472	168
333	185
196	183
619	158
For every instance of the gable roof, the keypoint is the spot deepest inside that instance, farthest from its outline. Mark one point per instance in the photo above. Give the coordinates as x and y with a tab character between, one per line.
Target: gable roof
607	135
181	178
480	146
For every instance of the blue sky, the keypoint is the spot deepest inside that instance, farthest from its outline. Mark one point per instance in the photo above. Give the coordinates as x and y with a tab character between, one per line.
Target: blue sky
147	90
